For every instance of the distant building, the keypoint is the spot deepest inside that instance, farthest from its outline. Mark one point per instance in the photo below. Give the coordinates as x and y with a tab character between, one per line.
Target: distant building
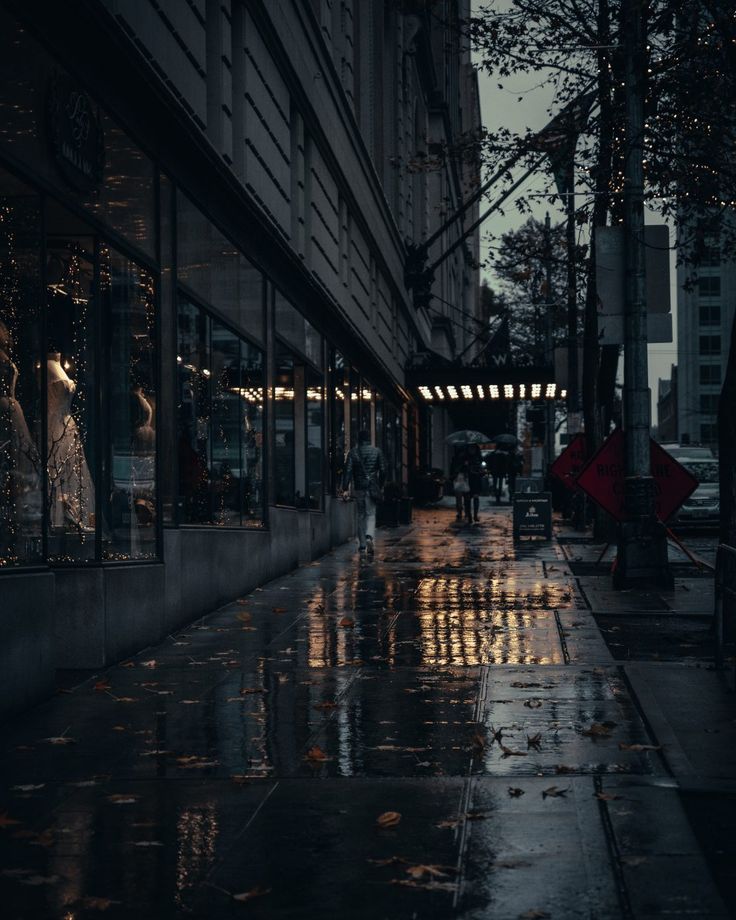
705	313
667	407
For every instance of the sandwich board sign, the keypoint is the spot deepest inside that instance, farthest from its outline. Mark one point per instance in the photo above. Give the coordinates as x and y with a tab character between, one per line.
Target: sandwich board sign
603	478
532	515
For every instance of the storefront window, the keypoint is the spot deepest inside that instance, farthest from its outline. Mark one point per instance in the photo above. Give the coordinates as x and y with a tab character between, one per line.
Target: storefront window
366	407
220	423
314	435
284	466
216	271
129	508
340	412
20	374
72	417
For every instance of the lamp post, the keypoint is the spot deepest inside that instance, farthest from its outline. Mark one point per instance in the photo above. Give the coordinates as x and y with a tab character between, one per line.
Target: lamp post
642	539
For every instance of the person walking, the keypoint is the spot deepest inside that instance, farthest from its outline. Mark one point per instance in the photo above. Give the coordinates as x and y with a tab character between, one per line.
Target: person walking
475	482
459	476
365	471
497	464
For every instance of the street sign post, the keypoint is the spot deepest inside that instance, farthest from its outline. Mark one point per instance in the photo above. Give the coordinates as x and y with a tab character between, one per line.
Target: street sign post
532	515
568	465
603	478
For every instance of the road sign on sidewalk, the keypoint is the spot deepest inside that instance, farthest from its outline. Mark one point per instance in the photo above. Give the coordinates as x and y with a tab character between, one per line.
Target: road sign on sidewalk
603	478
572	459
532	515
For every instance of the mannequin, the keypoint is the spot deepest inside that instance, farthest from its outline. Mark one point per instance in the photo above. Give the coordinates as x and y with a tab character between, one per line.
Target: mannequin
20	497
71	491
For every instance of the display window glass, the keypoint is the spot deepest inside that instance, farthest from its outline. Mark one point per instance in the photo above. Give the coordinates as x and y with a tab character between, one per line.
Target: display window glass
129	507
284	427
314	421
72	412
294	328
366	407
215	271
220	422
21	470
339	417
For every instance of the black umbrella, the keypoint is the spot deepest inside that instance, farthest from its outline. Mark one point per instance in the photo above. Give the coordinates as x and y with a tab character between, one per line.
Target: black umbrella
467	436
506	441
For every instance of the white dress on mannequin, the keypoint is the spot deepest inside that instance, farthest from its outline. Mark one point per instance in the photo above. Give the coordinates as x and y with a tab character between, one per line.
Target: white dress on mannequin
72	493
20	497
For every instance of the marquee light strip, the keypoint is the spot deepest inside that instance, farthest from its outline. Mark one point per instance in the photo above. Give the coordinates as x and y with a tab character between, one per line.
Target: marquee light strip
459	392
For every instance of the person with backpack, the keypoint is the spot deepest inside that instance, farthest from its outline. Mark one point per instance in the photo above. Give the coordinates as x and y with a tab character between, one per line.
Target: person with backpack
365	470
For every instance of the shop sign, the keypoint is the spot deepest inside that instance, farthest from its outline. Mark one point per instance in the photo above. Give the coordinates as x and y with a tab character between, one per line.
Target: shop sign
75	134
572	459
603	478
532	515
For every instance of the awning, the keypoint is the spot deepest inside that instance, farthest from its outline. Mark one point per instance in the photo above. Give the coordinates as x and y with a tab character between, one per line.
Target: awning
483	384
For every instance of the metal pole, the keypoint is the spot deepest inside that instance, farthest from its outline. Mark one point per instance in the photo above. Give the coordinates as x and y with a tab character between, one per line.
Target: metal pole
573	390
642	540
549	410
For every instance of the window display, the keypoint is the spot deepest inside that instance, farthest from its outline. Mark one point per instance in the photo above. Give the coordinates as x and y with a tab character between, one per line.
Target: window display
284	466
314	417
339	418
71	415
220	423
129	512
20	364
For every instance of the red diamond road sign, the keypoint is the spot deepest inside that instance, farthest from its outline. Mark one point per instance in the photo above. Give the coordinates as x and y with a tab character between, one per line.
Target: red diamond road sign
572	459
603	478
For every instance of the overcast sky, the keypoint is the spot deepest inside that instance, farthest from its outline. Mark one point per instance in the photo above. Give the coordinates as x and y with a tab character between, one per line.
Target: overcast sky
501	107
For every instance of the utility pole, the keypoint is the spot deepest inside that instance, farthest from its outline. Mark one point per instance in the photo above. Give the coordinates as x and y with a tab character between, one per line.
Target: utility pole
573	390
549	409
642	540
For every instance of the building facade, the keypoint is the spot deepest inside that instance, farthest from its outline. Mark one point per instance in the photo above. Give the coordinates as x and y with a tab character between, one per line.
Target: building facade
205	208
705	315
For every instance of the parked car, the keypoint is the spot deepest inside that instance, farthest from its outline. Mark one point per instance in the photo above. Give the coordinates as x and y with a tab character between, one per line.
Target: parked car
688	451
702	509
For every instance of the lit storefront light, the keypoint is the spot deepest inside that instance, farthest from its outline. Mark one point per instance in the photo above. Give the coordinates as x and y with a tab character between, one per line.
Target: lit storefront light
495	394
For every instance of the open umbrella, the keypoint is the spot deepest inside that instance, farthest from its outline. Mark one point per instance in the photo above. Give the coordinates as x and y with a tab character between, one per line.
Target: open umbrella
505	441
466	437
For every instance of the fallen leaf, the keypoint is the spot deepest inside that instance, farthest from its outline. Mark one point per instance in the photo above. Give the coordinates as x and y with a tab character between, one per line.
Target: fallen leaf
121	799
280	609
245	617
60	739
510	752
534	915
388	819
553	792
92	903
102	686
606	796
389	861
515	792
448	822
249	691
6	821
346	623
478	741
562	769
534	741
316	754
256	892
426	886
474	815
638	748
149	664
423	871
520	684
325	706
599	730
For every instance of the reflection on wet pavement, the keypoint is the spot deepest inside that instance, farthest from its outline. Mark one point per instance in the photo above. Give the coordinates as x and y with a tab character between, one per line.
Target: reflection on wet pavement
457	680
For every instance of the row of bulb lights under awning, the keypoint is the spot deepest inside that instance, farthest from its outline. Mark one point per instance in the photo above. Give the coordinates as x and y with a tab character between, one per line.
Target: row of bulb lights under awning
452	393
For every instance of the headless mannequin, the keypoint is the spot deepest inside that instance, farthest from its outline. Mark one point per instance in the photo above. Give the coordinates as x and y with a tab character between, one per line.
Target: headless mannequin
72	496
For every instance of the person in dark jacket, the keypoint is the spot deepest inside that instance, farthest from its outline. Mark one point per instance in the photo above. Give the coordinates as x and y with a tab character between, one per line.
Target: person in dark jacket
475	481
365	470
516	466
497	466
459	465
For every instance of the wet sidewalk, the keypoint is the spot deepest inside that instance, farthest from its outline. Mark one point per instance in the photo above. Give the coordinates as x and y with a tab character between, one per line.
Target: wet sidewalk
441	731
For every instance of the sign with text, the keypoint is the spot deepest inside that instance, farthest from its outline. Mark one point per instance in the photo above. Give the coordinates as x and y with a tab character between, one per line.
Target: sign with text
603	478
572	459
532	515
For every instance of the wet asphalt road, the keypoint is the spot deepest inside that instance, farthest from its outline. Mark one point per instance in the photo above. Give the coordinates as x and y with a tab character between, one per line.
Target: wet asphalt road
438	732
